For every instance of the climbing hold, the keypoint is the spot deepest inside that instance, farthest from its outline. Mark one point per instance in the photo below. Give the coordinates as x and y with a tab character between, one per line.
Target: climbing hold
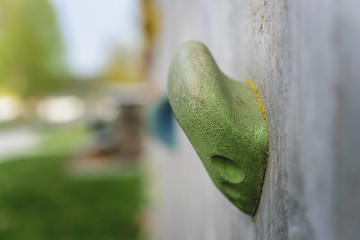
224	121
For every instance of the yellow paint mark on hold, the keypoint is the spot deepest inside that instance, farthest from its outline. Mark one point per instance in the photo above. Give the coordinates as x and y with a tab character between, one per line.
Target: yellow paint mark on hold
262	109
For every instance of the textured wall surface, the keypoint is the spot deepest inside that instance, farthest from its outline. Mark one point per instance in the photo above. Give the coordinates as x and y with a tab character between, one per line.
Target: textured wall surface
305	59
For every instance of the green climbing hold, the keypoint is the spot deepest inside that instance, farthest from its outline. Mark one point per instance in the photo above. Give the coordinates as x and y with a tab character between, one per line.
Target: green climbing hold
224	121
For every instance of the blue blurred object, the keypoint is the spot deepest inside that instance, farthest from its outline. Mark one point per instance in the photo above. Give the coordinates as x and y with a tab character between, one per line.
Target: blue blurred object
162	122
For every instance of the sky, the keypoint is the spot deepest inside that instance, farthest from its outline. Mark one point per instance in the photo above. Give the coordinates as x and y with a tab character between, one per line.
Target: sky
91	28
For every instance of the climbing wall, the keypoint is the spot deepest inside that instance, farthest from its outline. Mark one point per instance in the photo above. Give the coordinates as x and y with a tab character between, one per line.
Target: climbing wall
305	60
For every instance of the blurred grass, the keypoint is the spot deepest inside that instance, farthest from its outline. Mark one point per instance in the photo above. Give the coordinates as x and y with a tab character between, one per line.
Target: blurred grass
62	140
39	201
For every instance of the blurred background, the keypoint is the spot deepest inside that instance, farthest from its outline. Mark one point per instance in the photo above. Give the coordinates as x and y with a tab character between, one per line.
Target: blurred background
73	117
89	148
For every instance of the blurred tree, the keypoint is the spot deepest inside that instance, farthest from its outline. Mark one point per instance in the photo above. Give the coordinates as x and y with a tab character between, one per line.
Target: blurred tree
124	67
31	61
132	65
151	22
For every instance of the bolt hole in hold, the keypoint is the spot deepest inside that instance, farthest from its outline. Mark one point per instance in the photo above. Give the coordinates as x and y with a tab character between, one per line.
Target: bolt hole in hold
227	170
231	190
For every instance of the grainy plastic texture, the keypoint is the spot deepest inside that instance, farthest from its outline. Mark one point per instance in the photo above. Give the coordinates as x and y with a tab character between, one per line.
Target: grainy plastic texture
224	121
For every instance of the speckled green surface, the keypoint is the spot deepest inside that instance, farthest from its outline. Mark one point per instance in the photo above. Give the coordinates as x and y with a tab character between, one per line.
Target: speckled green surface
224	121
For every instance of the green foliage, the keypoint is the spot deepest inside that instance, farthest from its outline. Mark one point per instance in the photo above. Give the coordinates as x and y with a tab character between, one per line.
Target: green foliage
125	67
31	61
